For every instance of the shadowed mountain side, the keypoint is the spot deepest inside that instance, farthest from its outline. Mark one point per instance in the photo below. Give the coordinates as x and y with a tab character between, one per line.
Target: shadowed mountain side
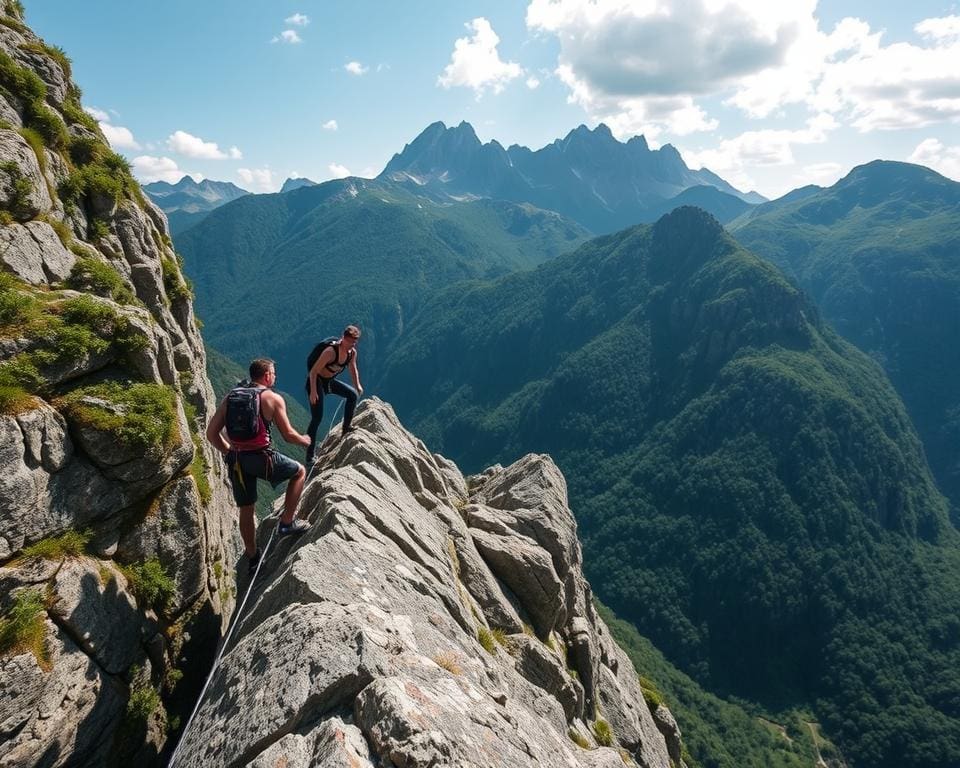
426	619
749	487
274	274
879	252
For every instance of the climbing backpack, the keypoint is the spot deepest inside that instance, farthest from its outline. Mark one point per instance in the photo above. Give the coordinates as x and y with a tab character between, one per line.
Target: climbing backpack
330	341
243	411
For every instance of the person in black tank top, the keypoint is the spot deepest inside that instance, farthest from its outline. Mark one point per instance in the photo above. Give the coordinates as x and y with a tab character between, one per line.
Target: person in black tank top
322	380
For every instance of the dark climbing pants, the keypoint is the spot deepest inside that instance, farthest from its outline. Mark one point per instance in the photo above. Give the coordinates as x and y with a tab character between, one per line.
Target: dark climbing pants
329	387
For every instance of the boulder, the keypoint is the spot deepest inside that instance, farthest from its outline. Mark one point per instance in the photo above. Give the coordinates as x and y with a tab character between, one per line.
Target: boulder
35	261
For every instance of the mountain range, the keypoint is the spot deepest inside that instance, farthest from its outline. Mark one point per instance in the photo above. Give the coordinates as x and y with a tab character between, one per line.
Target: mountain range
188	202
588	175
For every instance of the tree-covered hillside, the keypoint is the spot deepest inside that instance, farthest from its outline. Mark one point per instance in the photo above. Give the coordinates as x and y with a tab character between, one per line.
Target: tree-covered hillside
879	252
273	274
750	490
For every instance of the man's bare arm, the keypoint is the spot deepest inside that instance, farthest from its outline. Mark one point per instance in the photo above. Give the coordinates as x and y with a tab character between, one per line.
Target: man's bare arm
355	374
215	429
283	423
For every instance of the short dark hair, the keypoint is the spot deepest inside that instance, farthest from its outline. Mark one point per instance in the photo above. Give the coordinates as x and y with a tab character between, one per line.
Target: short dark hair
352	330
259	367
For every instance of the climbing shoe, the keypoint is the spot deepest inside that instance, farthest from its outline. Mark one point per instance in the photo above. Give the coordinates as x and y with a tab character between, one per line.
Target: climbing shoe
293	528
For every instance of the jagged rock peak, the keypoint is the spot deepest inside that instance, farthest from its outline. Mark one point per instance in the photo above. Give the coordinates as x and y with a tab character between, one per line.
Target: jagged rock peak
425	620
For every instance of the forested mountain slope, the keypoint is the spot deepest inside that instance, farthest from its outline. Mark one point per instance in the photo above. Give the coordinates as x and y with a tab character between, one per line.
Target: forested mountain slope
749	487
879	252
273	274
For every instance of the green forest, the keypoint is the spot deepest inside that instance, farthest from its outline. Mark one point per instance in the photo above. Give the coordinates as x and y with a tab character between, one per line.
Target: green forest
879	252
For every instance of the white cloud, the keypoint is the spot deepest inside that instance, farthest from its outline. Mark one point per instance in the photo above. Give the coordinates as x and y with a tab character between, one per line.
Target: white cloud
338	171
297	20
97	114
193	146
288	36
939	29
824	174
148	168
118	136
257	179
627	61
475	62
934	154
533	82
331	125
356	68
766	147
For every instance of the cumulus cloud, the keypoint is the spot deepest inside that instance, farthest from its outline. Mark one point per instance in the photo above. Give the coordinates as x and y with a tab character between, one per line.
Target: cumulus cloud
257	179
193	146
148	168
331	125
533	82
627	61
945	27
356	68
934	154
298	20
288	36
766	147
118	136
97	114
338	171
823	174
475	62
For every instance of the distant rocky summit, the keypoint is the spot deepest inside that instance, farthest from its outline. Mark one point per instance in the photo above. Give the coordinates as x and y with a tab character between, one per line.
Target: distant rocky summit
116	526
188	202
426	619
296	183
588	175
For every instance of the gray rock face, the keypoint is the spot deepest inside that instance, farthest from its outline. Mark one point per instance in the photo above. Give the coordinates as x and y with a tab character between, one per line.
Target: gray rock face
142	511
34	253
361	645
31	196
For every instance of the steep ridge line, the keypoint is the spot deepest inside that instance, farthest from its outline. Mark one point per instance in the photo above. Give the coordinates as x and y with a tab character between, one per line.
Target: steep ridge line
368	642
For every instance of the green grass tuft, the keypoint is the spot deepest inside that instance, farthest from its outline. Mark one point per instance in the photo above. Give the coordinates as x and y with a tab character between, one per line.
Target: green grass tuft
578	738
23	628
173	281
139	415
93	275
150	583
69	544
485	637
143	702
603	733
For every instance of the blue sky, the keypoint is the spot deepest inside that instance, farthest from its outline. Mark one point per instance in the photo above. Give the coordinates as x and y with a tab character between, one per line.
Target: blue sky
769	97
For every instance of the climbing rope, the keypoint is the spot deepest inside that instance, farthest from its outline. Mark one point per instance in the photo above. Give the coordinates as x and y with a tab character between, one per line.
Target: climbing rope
224	644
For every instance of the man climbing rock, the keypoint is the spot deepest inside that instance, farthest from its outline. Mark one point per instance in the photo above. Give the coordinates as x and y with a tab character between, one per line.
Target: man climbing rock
246	414
325	363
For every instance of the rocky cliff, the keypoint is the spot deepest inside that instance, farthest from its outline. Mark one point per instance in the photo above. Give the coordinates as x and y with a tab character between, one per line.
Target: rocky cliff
115	522
426	619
